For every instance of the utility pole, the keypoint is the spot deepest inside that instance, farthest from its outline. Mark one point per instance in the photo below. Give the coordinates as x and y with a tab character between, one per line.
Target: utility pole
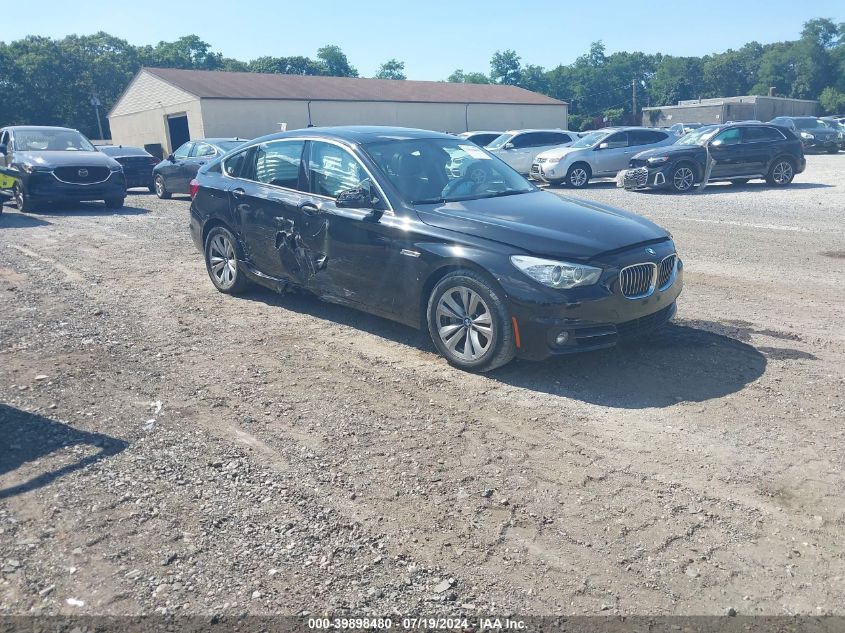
96	103
634	97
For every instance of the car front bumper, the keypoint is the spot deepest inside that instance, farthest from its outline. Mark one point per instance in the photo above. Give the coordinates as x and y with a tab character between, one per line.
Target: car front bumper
547	172
818	145
642	178
596	317
44	187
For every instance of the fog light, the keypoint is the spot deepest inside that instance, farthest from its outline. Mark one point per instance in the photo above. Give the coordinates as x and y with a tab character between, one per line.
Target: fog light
561	338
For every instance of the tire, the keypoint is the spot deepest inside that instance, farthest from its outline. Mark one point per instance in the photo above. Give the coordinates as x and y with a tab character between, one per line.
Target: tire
781	172
159	188
740	181
152	188
578	175
469	323
114	203
222	247
22	199
682	178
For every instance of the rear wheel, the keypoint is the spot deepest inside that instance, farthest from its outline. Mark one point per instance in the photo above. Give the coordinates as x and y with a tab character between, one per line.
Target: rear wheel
469	322
682	178
160	189
781	172
578	175
222	252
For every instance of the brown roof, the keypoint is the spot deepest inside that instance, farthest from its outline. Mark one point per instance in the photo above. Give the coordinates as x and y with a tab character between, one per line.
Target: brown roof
211	84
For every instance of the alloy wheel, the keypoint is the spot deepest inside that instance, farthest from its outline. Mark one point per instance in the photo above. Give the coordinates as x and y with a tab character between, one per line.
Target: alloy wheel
464	323
578	177
222	261
782	173
683	179
159	186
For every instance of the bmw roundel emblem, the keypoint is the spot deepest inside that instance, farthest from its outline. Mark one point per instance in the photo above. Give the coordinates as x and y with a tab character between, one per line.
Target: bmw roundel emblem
651	251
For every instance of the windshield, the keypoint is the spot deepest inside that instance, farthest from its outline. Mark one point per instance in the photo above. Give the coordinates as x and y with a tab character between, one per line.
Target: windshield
591	139
52	141
432	170
699	136
229	145
809	124
499	141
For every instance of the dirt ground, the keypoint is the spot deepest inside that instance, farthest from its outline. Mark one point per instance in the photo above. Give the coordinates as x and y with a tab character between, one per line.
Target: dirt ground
165	448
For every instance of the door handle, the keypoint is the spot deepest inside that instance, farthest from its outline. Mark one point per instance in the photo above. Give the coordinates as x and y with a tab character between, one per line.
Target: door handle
310	208
238	193
201	162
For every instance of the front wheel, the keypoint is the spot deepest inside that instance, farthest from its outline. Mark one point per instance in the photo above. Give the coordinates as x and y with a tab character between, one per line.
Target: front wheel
22	199
682	179
160	189
469	322
781	173
221	261
578	175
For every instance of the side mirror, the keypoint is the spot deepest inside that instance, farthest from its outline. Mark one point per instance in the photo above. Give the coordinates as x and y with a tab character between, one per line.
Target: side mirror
604	145
507	146
171	158
717	143
3	149
361	197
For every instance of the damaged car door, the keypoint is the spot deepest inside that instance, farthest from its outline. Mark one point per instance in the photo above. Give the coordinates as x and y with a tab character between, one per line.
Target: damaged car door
265	200
350	248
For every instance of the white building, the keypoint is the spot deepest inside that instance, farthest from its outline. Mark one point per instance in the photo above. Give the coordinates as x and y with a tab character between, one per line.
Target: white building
168	106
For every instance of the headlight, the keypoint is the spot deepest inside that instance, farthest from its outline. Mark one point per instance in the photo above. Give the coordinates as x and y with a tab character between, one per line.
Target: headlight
31	168
807	136
554	160
657	160
116	168
556	274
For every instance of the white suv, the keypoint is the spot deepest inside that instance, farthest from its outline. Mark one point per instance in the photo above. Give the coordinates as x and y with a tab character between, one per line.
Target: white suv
599	154
519	148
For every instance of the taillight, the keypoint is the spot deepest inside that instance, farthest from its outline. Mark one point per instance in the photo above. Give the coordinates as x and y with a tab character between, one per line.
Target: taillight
193	188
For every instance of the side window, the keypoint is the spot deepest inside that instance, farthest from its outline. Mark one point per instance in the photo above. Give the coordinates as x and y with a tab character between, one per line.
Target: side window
551	138
645	137
728	137
332	169
235	165
614	141
4	139
760	135
203	150
183	151
523	140
278	163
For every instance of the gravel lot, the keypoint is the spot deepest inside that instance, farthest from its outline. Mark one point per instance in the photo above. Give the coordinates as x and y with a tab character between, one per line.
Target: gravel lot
166	448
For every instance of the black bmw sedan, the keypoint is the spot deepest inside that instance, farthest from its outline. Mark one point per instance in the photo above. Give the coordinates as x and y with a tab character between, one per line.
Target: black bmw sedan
376	219
56	164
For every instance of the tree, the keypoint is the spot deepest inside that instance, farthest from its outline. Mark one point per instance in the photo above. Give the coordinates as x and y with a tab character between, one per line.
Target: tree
188	52
296	65
391	69
505	68
335	63
534	78
460	77
832	100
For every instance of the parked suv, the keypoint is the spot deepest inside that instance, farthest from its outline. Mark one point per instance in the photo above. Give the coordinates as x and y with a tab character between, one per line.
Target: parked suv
174	173
740	152
519	148
57	164
137	164
815	134
599	154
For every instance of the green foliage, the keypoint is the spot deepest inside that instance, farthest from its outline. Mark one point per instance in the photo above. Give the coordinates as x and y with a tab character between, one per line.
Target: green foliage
391	69
460	77
613	116
832	100
335	63
296	65
505	68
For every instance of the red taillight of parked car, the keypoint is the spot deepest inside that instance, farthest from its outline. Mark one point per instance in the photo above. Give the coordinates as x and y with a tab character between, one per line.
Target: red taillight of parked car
193	188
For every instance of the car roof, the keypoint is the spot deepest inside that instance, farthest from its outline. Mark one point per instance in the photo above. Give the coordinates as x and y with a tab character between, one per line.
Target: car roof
357	134
547	129
21	128
471	132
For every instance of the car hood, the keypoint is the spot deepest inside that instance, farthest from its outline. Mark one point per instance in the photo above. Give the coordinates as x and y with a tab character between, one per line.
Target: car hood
562	152
546	224
65	158
668	150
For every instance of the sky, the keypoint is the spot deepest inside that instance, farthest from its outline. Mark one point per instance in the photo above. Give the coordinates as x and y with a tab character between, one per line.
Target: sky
434	37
